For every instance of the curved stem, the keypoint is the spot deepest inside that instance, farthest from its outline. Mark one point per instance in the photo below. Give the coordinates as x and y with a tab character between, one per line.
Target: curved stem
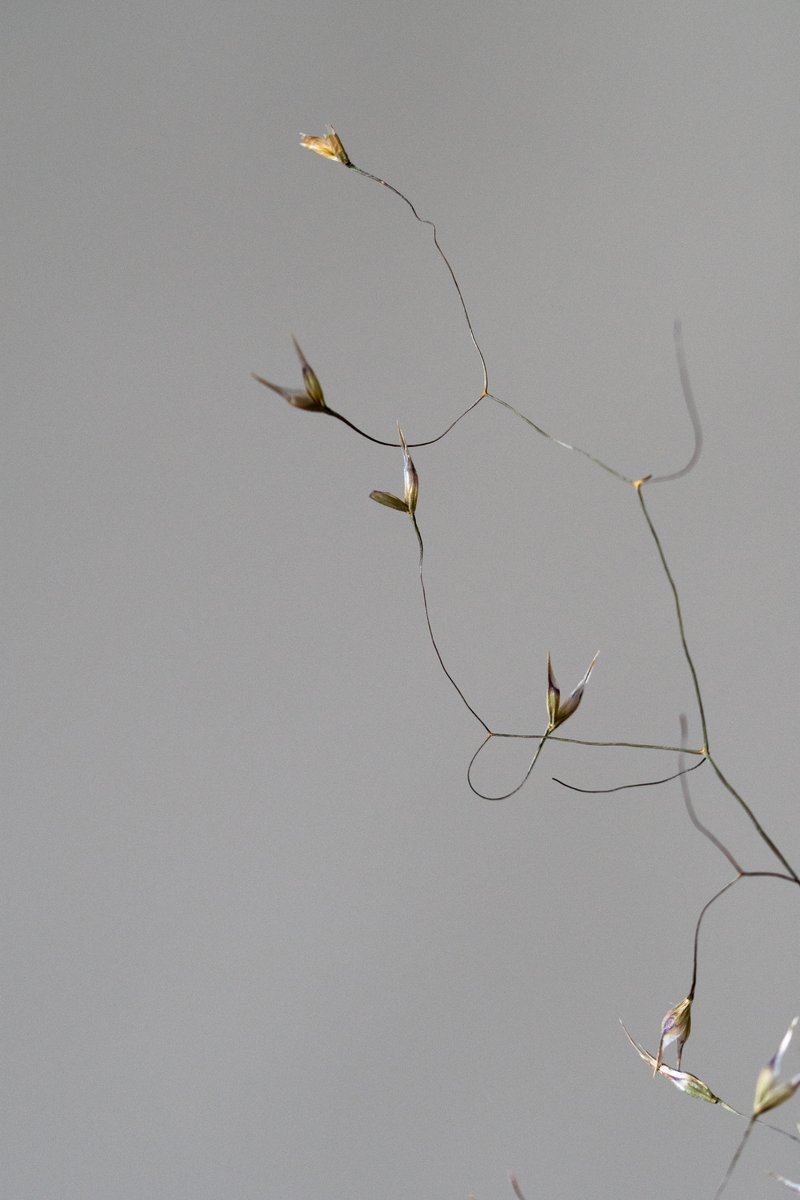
566	445
466	702
693	817
703	912
622	787
425	221
691	407
742	875
759	828
678	613
735	1158
445	260
526	776
555	737
411	445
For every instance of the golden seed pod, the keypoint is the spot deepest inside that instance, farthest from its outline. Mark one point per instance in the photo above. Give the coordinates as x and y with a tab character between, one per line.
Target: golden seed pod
329	146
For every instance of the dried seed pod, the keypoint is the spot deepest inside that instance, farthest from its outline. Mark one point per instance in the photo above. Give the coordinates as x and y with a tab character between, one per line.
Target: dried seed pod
329	146
676	1027
557	712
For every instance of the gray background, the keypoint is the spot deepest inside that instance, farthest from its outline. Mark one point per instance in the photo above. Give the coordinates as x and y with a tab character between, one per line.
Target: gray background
259	940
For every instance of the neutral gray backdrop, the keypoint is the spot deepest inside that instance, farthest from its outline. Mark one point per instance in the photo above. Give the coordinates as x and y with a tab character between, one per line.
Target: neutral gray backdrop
259	940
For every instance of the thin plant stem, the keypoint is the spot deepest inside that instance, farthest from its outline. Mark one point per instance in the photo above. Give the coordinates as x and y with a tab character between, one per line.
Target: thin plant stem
678	612
506	795
741	873
736	1157
691	407
445	260
541	738
704	752
693	817
731	883
698	443
411	445
556	737
766	839
622	787
468	319
566	445
466	702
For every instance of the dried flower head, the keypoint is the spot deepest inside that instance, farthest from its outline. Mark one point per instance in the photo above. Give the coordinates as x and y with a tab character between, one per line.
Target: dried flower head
557	712
410	477
410	485
769	1092
682	1080
329	146
311	398
313	388
676	1027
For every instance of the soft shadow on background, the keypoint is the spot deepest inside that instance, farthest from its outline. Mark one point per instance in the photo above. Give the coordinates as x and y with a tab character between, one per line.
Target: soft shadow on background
259	938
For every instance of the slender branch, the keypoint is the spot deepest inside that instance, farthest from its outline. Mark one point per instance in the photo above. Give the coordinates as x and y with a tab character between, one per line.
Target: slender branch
759	828
693	817
445	260
678	611
541	738
703	912
520	785
735	1159
731	883
625	786
466	702
691	407
486	393
756	823
741	873
411	445
703	753
566	445
555	737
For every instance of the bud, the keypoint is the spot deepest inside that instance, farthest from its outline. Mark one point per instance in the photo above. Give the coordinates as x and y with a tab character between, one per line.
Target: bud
313	388
682	1080
410	477
329	146
410	481
557	712
312	399
676	1027
770	1093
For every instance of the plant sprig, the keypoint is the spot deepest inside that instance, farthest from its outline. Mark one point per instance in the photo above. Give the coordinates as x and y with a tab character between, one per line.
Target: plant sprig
676	1024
